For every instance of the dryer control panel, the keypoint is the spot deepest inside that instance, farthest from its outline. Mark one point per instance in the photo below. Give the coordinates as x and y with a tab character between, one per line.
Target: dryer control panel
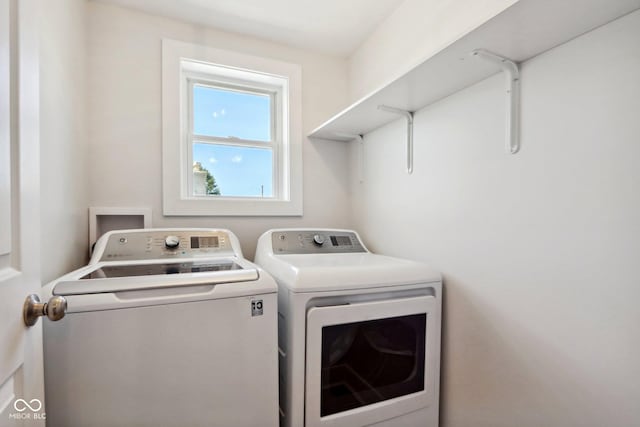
315	242
163	244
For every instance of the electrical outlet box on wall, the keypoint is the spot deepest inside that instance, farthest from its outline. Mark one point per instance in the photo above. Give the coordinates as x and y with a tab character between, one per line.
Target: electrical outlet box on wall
103	219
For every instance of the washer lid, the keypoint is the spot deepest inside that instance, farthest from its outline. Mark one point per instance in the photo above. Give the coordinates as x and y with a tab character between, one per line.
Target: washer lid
107	278
329	272
131	270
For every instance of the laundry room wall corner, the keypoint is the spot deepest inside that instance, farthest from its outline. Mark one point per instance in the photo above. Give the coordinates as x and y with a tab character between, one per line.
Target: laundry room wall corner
63	149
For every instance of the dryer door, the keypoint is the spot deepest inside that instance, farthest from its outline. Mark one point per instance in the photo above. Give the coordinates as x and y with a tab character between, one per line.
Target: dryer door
369	362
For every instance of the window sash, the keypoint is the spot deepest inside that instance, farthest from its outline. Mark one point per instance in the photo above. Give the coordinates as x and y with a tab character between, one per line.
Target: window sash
275	95
271	92
275	172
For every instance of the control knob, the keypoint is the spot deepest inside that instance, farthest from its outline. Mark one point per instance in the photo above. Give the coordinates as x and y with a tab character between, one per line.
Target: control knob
172	242
318	239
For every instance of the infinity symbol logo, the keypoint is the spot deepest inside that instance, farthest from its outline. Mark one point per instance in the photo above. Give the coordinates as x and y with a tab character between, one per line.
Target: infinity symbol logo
21	405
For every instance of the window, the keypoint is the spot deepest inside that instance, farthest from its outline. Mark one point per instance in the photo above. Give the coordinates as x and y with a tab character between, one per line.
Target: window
231	133
234	132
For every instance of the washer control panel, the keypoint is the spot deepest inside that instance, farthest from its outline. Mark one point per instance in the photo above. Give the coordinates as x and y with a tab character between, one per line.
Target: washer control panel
315	242
141	245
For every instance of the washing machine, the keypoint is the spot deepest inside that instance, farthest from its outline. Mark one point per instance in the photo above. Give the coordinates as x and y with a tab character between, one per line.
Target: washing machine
164	327
358	332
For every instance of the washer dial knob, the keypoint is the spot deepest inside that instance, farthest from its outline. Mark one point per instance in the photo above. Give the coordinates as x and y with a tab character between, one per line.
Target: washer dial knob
318	239
172	242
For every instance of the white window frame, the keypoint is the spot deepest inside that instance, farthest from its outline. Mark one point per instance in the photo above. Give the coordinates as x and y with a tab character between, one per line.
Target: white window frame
185	64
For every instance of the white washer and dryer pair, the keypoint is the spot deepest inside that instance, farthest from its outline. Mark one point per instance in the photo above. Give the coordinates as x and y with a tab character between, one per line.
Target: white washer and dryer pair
358	333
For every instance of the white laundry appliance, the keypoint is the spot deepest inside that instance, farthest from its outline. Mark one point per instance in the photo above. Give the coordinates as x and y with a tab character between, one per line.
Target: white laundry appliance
359	333
164	327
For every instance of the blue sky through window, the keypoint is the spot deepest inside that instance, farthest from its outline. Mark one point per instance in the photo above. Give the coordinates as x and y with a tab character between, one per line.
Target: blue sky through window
239	171
226	113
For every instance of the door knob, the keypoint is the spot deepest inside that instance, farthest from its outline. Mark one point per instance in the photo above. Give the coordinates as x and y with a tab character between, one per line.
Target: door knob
55	309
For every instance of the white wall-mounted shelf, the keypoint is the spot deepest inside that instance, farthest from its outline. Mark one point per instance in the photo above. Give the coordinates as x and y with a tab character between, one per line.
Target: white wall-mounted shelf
522	31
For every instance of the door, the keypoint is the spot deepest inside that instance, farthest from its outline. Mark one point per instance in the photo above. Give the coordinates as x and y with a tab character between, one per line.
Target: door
21	384
369	362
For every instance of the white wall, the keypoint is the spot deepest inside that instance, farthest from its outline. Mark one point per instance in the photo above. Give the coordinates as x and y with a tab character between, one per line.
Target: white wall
539	250
124	107
414	31
63	148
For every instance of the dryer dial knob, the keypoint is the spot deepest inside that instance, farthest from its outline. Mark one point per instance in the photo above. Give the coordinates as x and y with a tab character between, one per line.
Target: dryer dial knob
172	242
318	239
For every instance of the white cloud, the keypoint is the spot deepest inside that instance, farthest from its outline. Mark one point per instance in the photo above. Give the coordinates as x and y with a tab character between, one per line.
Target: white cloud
212	160
223	112
215	115
236	159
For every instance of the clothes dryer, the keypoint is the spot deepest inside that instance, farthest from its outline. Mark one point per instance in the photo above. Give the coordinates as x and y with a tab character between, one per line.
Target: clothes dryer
359	333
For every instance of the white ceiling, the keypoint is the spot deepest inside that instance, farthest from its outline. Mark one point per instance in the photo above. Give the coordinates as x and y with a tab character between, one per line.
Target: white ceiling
332	26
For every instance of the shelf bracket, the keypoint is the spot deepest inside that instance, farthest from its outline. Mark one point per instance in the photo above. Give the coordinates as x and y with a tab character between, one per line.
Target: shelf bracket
512	73
409	116
360	139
